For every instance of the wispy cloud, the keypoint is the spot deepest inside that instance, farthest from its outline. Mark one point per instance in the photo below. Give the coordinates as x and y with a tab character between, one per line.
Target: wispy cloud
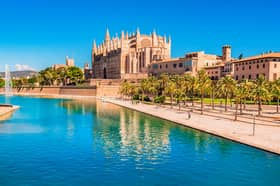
22	67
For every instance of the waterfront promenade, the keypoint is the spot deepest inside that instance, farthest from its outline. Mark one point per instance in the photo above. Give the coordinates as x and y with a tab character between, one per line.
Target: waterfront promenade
266	137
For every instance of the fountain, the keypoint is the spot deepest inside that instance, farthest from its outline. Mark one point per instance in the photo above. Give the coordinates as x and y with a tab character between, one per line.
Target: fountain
8	82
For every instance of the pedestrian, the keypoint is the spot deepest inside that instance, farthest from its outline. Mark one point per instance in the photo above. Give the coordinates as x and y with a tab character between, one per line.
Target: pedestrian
189	115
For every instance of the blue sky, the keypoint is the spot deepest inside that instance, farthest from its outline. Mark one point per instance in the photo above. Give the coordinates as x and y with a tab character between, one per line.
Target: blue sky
37	34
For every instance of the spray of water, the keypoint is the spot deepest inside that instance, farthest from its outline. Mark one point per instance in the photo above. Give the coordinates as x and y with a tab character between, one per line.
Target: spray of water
8	82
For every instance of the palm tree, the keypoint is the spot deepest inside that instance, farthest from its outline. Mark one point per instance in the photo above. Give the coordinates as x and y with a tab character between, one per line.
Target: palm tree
213	88
247	87
260	92
153	88
204	83
180	89
124	88
190	86
144	87
163	80
239	95
276	92
170	90
226	87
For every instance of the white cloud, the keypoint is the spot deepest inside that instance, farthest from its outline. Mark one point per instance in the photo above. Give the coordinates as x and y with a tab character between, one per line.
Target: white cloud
21	67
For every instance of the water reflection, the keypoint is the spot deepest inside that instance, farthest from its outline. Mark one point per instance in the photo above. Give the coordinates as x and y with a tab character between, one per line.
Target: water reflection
123	132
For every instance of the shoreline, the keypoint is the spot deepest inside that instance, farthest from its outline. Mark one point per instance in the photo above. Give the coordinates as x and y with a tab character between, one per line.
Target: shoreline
6	112
266	137
53	96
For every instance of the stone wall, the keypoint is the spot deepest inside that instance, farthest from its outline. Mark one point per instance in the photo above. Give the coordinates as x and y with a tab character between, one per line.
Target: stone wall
106	87
78	91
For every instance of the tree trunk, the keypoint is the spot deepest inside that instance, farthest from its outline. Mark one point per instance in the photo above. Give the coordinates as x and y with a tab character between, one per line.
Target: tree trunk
244	104
171	101
202	105
212	101
179	106
236	110
259	107
226	103
277	104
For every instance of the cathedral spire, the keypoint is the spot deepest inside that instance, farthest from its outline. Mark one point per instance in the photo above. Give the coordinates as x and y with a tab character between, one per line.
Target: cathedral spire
107	37
94	46
137	31
122	35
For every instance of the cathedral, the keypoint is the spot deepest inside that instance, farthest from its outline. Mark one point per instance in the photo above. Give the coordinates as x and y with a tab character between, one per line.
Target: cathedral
128	56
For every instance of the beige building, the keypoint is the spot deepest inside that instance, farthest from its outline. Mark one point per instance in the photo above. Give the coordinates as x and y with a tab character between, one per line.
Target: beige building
129	56
248	68
69	62
191	63
252	67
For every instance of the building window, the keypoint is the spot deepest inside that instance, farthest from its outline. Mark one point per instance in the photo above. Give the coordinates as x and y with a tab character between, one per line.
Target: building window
263	65
174	65
243	68
275	76
275	65
236	77
243	76
236	68
155	66
180	65
160	66
250	67
249	77
166	66
257	65
257	76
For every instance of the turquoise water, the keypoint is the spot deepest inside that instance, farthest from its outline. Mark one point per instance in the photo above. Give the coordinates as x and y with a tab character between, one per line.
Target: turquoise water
64	142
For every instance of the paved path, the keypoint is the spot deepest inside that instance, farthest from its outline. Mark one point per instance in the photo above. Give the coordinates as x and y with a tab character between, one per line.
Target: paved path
266	137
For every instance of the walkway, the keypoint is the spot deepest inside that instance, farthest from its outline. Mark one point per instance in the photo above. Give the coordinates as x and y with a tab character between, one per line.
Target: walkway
266	137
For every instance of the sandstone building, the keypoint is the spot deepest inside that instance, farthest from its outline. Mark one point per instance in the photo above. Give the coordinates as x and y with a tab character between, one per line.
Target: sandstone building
129	56
69	62
191	63
248	68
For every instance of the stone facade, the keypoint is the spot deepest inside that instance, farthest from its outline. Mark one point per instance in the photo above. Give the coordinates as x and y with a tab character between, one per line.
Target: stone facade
190	63
69	62
250	68
267	65
116	58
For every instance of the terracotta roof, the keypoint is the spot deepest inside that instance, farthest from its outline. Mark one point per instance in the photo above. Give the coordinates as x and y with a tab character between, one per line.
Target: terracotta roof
262	56
168	60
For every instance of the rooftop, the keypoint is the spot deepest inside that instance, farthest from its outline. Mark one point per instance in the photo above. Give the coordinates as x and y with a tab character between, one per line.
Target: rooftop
262	56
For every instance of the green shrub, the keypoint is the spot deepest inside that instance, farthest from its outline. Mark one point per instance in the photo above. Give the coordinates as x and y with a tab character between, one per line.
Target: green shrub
159	99
136	97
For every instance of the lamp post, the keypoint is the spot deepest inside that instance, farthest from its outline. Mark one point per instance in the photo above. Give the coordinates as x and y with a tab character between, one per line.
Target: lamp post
254	124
